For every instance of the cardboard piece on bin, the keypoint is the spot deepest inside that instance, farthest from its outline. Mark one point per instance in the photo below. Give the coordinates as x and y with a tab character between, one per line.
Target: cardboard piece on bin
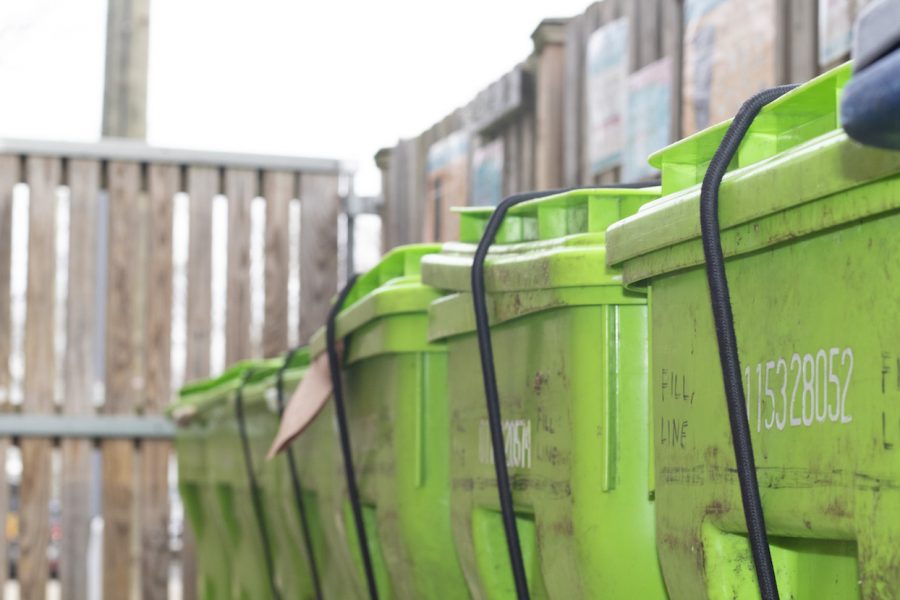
306	403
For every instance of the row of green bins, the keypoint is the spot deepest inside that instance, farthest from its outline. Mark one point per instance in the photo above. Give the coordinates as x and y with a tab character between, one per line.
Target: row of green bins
396	401
317	453
810	223
198	494
216	490
570	348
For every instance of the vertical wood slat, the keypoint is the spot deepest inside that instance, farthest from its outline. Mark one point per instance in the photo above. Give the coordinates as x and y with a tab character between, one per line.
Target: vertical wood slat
278	190
318	250
649	42
122	374
527	126
383	162
43	176
240	189
672	45
84	183
572	101
594	17
549	114
803	32
202	186
9	177
163	184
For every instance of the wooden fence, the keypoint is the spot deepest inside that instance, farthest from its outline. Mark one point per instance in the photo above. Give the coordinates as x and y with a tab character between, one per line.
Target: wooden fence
120	290
535	126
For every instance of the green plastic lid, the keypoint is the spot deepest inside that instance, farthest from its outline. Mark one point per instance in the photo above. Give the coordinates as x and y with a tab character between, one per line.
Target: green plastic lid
392	287
550	242
791	178
789	121
199	397
548	253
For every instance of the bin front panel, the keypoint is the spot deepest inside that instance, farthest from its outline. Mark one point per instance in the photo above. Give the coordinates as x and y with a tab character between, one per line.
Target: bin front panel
819	338
573	391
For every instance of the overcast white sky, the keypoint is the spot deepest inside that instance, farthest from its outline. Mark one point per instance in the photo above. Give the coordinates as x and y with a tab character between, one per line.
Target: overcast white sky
337	78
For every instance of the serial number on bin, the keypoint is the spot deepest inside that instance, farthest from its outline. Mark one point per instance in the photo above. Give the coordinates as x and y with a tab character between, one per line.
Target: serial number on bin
802	390
517	442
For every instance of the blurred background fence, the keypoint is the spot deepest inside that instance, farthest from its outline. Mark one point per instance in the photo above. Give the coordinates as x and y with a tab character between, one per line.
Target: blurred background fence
131	269
598	94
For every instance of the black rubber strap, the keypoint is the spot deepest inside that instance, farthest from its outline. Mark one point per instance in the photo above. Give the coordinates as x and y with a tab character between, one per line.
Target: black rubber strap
492	400
723	318
255	495
344	431
295	483
489	377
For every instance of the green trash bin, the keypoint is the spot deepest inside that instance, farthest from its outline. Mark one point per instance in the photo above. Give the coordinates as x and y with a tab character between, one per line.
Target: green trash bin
293	576
197	491
250	575
318	465
395	394
810	225
292	564
570	348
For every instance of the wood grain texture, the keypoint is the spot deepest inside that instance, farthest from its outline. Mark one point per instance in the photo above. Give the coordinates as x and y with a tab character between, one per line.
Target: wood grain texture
550	124
383	160
202	186
118	514
43	176
163	183
528	168
34	517
319	205
76	516
153	505
278	190
189	580
80	370
395	203
43	181
240	188
672	45
631	10
125	89
596	15
123	353
9	176
803	32
124	358
511	158
572	101
419	186
649	47
4	508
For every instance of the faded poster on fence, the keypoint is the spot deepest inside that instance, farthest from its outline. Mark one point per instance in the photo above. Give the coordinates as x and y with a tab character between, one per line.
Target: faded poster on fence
648	118
836	19
487	174
447	186
729	55
607	71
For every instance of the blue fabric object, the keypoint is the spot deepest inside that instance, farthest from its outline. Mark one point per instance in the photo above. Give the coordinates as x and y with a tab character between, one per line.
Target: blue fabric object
870	107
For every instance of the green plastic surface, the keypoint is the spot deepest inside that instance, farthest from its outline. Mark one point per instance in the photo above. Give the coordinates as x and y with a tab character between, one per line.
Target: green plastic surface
215	490
810	234
570	350
395	392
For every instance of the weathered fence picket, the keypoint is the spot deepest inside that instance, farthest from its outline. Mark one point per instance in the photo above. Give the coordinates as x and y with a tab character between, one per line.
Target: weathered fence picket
118	202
